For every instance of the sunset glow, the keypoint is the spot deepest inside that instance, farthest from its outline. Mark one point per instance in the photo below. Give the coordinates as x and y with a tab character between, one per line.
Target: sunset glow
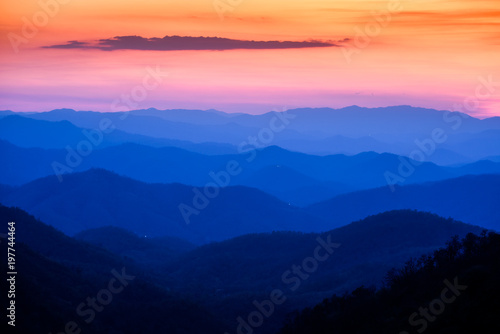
420	53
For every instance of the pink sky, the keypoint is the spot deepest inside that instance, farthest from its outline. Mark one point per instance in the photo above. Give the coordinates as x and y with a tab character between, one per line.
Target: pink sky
430	54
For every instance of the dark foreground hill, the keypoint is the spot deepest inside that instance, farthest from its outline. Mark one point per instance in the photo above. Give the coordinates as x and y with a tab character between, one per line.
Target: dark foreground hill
377	241
454	290
145	251
57	276
227	278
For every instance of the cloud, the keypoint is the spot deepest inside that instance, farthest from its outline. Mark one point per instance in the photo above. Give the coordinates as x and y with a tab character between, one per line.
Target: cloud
177	43
71	45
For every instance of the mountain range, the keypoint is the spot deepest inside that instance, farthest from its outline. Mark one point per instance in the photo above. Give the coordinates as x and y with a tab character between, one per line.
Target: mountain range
209	220
319	131
472	199
214	284
99	198
308	178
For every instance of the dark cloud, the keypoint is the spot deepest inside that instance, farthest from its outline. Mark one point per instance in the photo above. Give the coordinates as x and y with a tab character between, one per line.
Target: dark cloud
70	45
175	43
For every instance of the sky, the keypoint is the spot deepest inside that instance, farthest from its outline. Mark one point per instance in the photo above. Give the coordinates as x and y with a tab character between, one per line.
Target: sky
249	56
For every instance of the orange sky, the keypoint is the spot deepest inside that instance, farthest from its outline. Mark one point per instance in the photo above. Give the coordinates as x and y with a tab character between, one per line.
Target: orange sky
423	53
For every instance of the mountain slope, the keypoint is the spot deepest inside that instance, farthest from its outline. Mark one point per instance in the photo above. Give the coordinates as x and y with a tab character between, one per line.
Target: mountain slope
58	274
348	121
248	268
171	164
160	127
293	187
228	276
349	130
98	198
472	199
144	251
453	290
379	240
30	133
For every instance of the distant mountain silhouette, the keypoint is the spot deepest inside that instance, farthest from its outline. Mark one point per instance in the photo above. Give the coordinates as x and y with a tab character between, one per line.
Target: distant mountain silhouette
22	165
472	199
292	186
494	158
30	133
6	112
98	198
325	176
26	132
210	233
159	127
349	121
349	130
357	121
